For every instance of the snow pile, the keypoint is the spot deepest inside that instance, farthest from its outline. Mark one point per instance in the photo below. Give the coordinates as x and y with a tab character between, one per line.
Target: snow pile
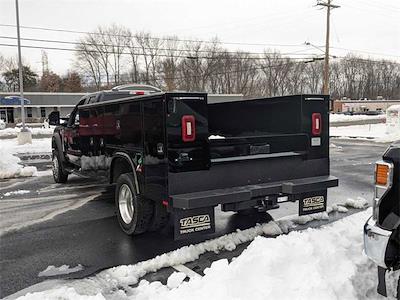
37	146
100	162
368	131
10	167
324	263
18	192
64	269
336	118
358	203
2	124
175	279
13	132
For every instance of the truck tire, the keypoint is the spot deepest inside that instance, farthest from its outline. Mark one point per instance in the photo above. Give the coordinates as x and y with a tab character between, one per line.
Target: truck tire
59	174
134	212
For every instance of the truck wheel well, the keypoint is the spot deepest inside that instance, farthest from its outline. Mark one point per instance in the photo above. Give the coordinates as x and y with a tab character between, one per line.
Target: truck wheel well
119	166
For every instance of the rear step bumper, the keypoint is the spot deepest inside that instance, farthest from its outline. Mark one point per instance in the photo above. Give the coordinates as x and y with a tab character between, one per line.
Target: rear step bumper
248	192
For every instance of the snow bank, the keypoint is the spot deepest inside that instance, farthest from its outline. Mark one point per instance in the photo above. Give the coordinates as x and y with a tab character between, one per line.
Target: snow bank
64	269
368	131
13	132
335	118
37	146
324	263
10	167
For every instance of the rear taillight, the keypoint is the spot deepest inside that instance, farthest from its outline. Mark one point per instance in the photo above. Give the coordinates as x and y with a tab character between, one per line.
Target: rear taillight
316	123
188	128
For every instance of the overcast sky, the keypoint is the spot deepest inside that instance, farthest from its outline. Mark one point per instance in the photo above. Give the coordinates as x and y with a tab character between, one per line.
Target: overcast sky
369	27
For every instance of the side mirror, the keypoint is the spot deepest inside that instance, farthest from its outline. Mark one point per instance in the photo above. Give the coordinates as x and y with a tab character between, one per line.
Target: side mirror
54	118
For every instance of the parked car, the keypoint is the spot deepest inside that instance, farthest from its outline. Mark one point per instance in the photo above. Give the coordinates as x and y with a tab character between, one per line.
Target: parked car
174	155
382	230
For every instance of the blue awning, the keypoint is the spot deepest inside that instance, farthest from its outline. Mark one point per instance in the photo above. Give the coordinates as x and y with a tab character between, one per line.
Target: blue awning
13	100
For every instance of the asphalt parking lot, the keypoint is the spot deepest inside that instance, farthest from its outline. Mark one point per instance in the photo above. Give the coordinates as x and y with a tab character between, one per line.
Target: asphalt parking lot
75	223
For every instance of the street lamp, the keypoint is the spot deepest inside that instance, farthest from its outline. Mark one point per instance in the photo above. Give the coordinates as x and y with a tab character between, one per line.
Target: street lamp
24	136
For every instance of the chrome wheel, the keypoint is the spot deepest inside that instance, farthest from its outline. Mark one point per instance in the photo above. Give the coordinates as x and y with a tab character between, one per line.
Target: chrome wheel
125	203
55	166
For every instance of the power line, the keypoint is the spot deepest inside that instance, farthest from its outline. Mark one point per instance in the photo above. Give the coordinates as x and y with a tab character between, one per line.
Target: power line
144	54
152	38
197	41
152	48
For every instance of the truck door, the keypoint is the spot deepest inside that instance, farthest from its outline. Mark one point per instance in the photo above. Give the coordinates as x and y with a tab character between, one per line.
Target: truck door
71	136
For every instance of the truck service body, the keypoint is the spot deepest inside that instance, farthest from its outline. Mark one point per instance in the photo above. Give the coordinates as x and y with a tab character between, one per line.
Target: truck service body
174	156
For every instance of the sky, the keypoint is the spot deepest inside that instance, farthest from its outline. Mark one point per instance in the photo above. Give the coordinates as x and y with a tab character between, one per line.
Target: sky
370	28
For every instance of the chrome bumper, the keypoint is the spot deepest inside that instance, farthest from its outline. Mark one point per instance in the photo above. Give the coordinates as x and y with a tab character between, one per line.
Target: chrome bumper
376	241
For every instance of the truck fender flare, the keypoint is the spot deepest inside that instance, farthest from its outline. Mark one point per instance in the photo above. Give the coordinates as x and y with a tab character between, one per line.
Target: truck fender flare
58	145
126	157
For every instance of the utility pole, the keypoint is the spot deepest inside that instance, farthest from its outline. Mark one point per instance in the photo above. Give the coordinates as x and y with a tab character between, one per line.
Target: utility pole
25	135
329	6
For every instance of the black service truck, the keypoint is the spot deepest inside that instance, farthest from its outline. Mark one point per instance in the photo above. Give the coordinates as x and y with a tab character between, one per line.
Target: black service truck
176	156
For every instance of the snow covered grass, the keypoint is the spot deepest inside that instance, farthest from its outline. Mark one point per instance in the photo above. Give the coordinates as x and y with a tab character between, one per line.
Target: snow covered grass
335	118
64	269
323	263
10	166
13	132
377	132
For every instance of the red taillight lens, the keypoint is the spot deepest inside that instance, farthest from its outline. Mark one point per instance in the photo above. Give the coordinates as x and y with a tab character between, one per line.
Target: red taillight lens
316	123
188	128
139	93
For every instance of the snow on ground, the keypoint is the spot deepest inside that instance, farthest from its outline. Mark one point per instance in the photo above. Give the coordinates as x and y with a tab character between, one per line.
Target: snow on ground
17	192
334	118
13	132
64	269
10	164
37	146
10	167
368	131
324	263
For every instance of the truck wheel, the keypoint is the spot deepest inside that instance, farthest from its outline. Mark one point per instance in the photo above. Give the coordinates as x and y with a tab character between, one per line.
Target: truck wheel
133	211
59	174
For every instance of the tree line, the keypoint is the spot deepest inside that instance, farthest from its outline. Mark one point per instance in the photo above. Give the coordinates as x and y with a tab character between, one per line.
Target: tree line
114	55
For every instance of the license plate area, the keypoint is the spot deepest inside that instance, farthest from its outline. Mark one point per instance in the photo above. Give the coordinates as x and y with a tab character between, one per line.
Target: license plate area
312	202
189	223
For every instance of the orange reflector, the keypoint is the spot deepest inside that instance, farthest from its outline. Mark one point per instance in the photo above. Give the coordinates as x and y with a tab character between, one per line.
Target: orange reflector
381	174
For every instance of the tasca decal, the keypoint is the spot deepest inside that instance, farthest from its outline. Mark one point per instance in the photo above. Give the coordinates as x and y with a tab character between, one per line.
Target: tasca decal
195	223
313	203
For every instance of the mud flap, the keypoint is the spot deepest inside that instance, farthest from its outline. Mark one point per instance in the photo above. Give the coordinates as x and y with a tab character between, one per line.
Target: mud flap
312	202
382	281
189	223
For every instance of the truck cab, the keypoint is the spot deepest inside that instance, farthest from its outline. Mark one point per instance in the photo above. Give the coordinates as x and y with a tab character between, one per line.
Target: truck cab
382	230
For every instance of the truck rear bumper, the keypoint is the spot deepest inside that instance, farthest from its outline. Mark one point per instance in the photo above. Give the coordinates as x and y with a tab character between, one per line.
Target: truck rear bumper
248	192
376	241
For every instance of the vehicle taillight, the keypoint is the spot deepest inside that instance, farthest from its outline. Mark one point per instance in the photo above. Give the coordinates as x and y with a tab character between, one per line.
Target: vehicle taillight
316	123
188	128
